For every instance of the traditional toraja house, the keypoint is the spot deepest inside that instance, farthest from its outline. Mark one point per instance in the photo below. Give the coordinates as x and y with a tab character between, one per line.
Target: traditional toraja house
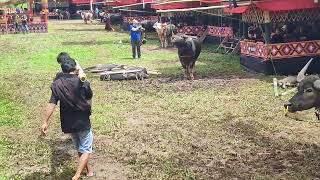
136	9
194	17
37	21
288	37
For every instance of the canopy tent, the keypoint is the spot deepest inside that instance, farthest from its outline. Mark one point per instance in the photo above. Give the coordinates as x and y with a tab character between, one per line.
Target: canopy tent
237	10
78	2
287	56
110	3
176	5
278	11
132	2
211	2
286	5
276	5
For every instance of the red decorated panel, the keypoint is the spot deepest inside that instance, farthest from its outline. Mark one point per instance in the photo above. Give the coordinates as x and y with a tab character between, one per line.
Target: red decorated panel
254	49
220	31
191	30
213	30
33	28
294	49
280	51
140	18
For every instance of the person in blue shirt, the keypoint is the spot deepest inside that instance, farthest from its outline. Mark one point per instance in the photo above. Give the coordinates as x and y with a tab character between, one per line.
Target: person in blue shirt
135	35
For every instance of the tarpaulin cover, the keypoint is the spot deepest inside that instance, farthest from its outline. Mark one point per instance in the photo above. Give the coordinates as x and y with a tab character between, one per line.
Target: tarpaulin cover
177	5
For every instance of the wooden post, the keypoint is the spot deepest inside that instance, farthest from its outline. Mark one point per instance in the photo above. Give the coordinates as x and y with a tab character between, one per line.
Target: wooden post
91	5
267	32
267	25
44	4
30	7
245	30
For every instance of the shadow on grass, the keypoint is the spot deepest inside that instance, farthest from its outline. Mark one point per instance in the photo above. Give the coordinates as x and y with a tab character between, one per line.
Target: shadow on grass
89	43
80	30
60	161
271	157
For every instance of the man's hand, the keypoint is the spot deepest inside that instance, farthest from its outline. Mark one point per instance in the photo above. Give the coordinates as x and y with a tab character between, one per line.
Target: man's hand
46	116
44	129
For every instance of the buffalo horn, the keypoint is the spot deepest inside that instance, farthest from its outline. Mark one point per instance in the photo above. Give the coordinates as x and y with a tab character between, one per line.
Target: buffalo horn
302	73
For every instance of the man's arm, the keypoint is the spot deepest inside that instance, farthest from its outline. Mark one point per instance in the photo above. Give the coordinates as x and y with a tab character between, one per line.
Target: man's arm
81	73
46	116
87	91
135	28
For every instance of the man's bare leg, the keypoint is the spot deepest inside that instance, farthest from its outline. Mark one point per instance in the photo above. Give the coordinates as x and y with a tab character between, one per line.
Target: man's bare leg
89	170
83	162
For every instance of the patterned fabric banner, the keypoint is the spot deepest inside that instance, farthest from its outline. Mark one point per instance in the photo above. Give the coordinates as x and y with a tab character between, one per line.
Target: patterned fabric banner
213	30
33	28
140	18
282	50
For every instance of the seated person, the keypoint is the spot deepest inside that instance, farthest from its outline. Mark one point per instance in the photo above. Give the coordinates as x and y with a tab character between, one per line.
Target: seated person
251	34
277	37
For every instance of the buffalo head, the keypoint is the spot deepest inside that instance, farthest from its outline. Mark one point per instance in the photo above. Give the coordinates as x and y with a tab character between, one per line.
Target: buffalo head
308	95
179	39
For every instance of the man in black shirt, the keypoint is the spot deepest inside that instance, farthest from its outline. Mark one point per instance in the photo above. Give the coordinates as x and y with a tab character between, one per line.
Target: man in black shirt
75	109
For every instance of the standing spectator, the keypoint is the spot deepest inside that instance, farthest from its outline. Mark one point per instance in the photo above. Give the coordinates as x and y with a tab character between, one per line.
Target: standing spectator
108	25
75	110
15	20
24	21
97	13
135	38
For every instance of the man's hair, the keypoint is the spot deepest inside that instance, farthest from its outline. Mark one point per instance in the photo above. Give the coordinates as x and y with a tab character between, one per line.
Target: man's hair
63	57
68	66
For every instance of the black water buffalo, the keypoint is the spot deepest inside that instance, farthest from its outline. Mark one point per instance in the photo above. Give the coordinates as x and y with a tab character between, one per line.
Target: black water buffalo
189	50
115	18
148	25
308	95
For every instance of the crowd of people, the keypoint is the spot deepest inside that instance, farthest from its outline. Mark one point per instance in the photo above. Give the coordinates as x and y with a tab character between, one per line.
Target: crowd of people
285	34
291	33
19	21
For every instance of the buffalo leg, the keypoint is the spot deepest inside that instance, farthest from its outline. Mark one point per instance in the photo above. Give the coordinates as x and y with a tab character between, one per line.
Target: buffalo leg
192	71
186	73
166	42
185	76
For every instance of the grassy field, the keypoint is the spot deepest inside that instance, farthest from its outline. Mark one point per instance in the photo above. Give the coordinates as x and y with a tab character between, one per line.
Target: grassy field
224	125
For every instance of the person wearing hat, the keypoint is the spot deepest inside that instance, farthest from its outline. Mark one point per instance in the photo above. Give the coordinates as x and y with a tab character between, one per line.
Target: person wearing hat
135	38
75	110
